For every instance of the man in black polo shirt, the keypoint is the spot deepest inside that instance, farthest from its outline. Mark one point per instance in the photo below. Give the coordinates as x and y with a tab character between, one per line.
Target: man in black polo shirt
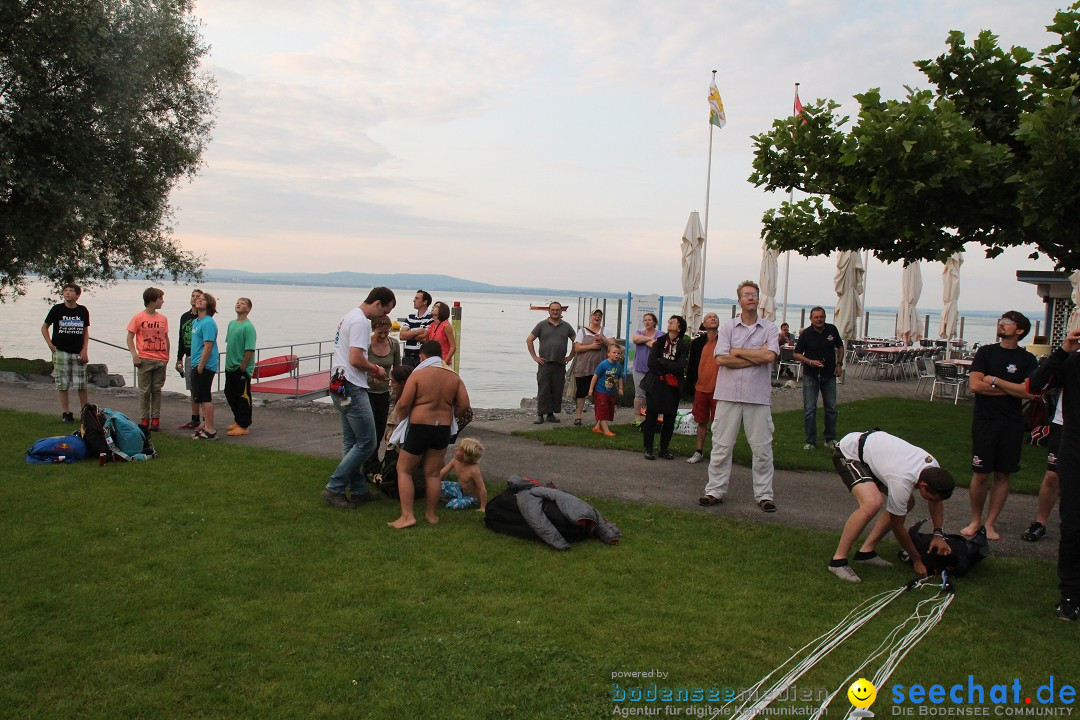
997	378
821	351
415	331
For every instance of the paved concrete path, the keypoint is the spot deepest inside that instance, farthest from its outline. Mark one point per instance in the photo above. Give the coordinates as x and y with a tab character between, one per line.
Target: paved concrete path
805	499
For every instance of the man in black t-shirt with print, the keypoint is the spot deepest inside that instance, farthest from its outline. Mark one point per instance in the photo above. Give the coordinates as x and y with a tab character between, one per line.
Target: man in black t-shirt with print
997	378
68	341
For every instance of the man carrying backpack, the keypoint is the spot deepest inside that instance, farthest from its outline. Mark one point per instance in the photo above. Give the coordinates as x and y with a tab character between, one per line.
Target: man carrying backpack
873	464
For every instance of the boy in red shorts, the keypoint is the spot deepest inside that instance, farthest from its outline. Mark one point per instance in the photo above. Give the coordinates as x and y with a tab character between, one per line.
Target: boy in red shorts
606	382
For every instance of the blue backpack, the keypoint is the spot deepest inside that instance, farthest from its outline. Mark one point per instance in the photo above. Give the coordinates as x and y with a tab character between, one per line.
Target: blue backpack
125	438
61	449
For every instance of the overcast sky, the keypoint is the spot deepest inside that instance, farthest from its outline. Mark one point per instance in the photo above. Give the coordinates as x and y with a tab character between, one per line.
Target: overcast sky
545	143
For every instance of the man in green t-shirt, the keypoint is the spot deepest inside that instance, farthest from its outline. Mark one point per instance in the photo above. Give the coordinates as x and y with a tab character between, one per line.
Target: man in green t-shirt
239	364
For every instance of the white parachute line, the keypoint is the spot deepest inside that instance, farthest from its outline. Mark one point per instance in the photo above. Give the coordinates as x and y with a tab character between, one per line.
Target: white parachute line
823	645
897	649
887	643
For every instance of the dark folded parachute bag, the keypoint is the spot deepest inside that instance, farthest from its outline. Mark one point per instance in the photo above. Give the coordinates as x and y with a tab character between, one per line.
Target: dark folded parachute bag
966	552
503	515
60	449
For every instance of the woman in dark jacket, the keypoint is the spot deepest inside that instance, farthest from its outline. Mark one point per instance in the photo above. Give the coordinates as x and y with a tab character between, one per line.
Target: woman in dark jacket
667	363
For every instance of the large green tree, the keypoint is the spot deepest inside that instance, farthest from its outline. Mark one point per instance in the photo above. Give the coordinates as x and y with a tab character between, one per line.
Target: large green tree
103	110
988	156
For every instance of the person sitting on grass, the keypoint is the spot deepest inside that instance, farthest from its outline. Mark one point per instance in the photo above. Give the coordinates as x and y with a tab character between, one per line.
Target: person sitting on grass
606	382
873	464
468	491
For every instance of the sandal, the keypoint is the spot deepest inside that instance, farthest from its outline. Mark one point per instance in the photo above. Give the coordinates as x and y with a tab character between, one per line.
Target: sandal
1035	532
204	435
578	421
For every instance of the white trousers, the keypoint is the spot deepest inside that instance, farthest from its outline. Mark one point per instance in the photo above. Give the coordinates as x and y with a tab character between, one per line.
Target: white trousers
757	421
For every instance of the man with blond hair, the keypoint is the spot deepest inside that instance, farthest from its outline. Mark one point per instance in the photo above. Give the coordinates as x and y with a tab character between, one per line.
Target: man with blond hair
746	348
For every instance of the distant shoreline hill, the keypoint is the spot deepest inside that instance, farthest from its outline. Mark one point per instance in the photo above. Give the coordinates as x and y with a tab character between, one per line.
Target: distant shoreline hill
447	283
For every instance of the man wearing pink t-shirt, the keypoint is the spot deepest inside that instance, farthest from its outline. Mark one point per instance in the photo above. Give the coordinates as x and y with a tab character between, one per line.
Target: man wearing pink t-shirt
148	341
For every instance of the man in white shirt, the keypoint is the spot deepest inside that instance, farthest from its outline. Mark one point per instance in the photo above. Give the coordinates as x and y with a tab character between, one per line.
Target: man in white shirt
874	464
357	422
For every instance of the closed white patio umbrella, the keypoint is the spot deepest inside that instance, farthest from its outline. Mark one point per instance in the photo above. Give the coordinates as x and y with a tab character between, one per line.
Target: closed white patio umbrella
849	282
950	296
767	280
907	324
693	241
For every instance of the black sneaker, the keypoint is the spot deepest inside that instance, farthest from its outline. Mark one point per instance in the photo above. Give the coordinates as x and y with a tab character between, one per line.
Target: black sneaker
666	455
1067	609
551	418
649	455
539	420
1035	532
67	417
358	499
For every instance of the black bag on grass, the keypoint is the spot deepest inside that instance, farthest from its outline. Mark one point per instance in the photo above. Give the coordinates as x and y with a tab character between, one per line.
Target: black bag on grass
389	482
503	516
93	432
966	552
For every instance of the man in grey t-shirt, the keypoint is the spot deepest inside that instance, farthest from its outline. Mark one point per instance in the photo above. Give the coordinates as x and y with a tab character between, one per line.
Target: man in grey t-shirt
553	334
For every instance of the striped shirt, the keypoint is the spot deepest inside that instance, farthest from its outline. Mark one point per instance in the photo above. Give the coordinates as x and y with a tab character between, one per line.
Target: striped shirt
414	322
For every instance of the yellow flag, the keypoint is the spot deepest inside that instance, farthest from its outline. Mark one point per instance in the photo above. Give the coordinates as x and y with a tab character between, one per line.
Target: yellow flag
716	107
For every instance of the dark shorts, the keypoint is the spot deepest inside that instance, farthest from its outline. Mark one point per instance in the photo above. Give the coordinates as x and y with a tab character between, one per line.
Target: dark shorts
1053	444
581	388
704	409
854	472
996	445
201	385
604	406
421	438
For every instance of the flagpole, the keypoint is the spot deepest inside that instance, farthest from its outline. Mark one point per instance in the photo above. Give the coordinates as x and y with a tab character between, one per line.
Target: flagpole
791	201
708	183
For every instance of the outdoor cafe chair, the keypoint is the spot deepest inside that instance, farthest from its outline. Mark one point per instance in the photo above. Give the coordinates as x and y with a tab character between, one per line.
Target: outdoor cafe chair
925	368
947	375
787	359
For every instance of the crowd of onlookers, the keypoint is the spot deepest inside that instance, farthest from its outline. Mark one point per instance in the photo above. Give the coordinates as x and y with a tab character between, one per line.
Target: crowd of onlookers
725	371
67	333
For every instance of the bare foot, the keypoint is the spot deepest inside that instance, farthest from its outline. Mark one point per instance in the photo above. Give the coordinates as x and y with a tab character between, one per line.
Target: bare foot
971	529
433	519
403	522
991	533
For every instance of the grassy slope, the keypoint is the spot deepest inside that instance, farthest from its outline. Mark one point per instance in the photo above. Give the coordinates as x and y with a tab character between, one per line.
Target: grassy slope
212	583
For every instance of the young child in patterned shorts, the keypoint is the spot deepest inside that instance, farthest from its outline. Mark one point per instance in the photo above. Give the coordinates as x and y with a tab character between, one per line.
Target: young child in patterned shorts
469	491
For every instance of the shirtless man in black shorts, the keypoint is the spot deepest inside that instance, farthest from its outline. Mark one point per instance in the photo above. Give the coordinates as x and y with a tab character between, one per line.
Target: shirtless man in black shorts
431	396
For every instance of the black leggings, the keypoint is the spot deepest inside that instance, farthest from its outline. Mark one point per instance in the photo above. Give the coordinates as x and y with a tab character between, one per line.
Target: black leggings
661	400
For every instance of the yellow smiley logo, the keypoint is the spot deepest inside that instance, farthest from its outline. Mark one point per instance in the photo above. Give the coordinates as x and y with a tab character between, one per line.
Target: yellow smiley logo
862	693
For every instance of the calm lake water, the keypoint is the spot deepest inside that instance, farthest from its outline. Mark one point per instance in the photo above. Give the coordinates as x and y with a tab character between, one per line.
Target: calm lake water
494	362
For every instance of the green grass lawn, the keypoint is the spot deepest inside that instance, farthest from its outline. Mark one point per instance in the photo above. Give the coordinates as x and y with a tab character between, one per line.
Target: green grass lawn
942	429
212	583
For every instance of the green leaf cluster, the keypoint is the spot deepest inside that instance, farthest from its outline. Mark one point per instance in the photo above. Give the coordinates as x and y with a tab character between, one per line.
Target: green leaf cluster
986	156
103	110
